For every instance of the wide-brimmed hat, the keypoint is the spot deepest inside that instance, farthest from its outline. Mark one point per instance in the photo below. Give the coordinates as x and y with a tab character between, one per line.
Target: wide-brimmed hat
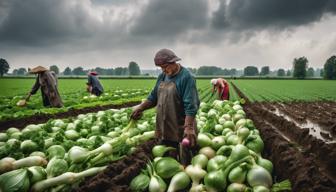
165	56
38	69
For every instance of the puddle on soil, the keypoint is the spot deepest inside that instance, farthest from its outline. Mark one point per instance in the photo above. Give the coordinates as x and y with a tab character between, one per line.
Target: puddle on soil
314	129
283	136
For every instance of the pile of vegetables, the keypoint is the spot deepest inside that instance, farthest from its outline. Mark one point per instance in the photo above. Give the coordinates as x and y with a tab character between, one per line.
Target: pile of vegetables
57	155
229	158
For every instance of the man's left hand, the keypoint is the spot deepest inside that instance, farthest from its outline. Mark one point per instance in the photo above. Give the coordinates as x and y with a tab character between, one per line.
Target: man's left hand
190	134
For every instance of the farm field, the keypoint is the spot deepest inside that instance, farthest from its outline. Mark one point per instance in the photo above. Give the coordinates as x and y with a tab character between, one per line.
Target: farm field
297	132
287	90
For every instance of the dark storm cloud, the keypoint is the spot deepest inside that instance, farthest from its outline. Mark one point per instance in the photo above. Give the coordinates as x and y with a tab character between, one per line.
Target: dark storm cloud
256	14
164	19
40	22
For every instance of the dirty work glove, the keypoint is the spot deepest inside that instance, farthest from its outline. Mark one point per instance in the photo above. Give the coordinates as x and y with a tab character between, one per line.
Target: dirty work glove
189	130
137	111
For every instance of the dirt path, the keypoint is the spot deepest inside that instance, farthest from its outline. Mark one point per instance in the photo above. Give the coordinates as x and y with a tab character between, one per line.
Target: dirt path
117	176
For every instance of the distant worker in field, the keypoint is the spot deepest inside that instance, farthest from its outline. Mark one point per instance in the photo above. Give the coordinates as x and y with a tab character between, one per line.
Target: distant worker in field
176	99
222	87
47	81
93	85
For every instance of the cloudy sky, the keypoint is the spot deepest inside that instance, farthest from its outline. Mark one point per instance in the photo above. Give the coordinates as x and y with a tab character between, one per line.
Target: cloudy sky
111	33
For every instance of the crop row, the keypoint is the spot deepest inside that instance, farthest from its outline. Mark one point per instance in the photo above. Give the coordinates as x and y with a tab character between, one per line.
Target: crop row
287	90
59	153
10	110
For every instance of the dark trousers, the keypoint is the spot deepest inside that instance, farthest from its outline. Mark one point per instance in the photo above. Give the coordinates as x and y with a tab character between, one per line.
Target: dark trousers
182	154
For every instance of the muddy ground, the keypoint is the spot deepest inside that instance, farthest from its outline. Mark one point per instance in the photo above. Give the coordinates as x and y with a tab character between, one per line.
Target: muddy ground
117	176
299	139
36	119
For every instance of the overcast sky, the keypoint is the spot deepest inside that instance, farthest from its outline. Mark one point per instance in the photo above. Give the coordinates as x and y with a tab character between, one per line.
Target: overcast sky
111	33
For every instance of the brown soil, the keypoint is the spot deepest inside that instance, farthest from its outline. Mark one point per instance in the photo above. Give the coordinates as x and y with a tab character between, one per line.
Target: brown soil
117	176
308	162
36	119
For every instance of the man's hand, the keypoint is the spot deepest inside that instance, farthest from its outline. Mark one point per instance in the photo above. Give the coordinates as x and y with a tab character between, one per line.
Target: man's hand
189	130
190	134
137	113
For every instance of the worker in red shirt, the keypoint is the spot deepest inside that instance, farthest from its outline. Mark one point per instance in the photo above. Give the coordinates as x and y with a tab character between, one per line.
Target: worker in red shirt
222	87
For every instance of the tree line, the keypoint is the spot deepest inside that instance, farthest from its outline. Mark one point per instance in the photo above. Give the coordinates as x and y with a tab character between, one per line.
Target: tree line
300	70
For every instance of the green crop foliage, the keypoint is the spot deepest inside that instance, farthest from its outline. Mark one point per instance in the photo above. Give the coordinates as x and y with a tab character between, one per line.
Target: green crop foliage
287	90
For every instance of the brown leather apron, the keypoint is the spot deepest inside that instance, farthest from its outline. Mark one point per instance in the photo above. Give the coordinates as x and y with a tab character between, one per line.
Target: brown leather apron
170	119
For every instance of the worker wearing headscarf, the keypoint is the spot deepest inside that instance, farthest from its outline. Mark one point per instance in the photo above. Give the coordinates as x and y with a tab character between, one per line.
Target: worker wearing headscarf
94	85
222	87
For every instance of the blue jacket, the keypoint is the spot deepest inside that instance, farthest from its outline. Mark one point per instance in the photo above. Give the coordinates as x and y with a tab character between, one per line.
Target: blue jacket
186	88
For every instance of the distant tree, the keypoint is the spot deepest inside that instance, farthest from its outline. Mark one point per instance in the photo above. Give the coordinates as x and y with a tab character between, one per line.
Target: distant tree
110	71
67	71
192	70
125	71
78	71
15	71
233	72
265	71
330	68
54	68
100	71
22	71
300	67
4	67
133	68
281	73
289	73
310	72
251	71
209	70
321	72
121	71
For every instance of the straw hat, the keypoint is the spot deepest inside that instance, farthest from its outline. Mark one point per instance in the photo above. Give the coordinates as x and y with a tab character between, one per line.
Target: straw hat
38	69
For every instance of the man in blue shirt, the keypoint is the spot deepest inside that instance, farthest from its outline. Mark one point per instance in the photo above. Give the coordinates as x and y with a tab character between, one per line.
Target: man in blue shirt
176	99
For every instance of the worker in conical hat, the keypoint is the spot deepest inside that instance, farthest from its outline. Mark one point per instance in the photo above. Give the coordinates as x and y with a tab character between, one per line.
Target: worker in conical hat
46	81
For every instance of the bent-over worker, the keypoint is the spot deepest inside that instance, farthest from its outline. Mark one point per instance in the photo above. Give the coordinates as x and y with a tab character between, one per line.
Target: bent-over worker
222	87
47	81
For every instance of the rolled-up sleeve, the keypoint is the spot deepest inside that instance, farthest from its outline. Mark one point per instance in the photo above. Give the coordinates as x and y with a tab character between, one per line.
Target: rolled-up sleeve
190	96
